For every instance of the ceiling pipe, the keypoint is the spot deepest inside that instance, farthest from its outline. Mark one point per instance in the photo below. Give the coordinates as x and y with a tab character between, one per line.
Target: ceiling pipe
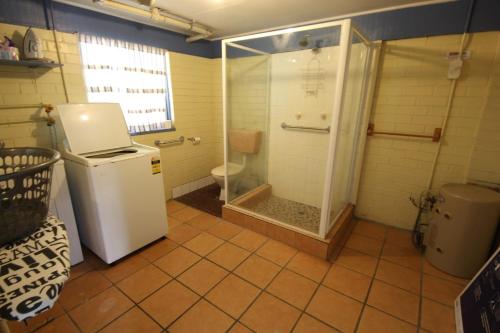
147	15
156	15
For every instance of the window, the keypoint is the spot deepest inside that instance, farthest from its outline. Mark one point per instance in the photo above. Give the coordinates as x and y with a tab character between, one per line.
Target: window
136	76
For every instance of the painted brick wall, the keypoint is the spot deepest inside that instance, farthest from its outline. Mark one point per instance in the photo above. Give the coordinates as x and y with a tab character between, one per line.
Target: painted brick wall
194	105
485	162
19	85
411	96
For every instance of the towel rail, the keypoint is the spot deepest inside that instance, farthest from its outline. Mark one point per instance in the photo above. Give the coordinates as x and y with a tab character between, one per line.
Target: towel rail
306	128
436	135
160	143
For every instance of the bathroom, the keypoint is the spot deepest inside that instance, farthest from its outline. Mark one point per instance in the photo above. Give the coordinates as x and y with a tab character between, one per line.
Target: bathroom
294	166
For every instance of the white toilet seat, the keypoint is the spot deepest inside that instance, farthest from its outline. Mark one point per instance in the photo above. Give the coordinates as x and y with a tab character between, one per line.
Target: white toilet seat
233	169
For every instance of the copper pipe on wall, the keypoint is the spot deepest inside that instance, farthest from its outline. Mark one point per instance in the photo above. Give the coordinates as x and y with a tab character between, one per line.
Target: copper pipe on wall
436	136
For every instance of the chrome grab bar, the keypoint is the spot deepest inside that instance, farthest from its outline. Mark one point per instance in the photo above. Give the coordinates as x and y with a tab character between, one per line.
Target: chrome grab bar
179	140
306	128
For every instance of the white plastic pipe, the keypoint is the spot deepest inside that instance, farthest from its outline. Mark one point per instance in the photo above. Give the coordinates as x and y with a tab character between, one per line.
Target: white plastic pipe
155	15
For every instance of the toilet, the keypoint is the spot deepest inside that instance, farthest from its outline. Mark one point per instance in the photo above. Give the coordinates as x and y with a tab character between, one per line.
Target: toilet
244	141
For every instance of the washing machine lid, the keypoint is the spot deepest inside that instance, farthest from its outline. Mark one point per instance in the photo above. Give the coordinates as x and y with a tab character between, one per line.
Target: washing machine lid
93	127
471	193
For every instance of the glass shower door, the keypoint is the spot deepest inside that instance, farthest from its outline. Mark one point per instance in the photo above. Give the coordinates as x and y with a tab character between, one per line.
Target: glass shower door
350	124
247	100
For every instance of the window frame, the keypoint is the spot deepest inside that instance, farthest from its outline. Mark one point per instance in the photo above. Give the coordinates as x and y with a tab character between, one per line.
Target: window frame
169	99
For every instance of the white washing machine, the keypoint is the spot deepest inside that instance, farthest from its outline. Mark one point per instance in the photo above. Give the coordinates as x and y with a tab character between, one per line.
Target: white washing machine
116	185
60	205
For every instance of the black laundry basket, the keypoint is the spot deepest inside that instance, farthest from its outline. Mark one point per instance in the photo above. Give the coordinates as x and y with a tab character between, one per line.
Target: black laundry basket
25	179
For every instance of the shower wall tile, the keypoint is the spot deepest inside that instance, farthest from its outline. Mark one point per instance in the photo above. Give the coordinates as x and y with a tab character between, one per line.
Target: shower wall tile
302	89
412	88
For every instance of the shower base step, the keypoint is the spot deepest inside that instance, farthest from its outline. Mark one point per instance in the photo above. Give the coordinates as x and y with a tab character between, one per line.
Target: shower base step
293	236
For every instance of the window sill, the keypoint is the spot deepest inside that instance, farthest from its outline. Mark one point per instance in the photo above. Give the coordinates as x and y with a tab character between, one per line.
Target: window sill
153	132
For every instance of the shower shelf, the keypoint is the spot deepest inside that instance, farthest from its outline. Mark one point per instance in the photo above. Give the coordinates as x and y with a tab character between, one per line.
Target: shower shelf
436	136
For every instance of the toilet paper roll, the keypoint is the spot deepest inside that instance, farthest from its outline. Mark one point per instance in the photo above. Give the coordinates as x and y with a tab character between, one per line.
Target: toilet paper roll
196	140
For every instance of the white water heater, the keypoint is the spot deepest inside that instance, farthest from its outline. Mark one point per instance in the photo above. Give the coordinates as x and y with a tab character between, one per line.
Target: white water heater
461	231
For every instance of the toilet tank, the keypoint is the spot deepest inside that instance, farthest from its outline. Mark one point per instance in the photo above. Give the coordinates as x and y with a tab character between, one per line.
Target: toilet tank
462	228
246	141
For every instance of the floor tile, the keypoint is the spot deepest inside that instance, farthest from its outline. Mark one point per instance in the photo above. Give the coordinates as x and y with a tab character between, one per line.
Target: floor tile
269	314
404	256
168	303
434	271
239	328
182	233
399	276
96	262
133	321
172	223
80	269
375	321
62	324
177	261
202	318
277	252
100	310
248	240
225	230
347	282
143	282
399	237
203	244
202	276
440	290
364	245
335	309
293	288
203	221
308	324
38	321
257	270
228	256
185	214
357	261
82	289
124	268
395	301
174	206
233	295
370	229
437	317
158	249
309	266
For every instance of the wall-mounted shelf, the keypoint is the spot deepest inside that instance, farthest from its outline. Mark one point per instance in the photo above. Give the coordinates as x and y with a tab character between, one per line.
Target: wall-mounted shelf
29	63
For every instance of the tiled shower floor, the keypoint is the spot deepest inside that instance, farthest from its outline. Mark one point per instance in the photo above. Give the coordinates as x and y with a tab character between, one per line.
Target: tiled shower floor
290	212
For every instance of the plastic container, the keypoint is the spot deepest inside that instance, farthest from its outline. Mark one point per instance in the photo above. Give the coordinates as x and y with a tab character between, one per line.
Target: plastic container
25	178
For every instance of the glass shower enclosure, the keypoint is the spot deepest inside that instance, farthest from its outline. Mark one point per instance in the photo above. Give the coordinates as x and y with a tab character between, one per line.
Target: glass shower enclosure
304	91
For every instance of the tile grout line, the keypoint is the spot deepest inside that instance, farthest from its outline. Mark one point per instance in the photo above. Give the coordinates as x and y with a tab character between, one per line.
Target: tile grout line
229	272
202	297
365	303
320	283
420	300
261	290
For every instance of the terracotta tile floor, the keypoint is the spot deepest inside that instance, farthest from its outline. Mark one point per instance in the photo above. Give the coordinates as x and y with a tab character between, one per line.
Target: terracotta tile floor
213	276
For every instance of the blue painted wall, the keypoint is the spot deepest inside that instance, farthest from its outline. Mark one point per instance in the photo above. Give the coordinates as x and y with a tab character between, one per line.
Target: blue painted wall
74	19
440	19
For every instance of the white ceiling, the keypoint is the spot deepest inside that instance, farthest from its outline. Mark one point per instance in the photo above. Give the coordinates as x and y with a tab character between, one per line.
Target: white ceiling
233	17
